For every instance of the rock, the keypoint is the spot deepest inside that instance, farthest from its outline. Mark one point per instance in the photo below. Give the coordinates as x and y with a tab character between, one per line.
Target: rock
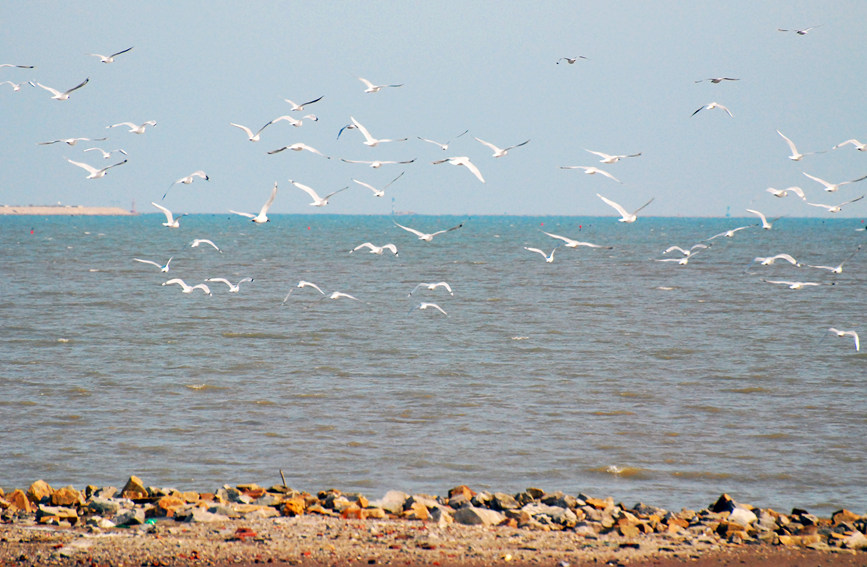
561	500
535	493
100	522
103	506
18	499
855	541
254	491
458	501
201	516
168	505
416	511
190	497
473	516
132	517
482	500
503	501
134	489
844	515
393	501
56	514
723	504
40	492
645	510
255	511
789	540
441	517
462	490
562	516
66	496
375	513
294	506
599	504
742	516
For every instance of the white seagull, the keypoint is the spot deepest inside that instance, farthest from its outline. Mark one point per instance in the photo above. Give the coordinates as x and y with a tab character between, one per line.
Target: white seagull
339	294
188	288
17	86
250	135
105	154
369	140
838	269
590	170
852	334
432	286
832	187
793	285
135	128
625	216
171	221
784	192
70	141
297	147
371	88
548	257
379	192
65	94
262	217
294	121
424	236
233	288
765	224
109	58
686	252
376	164
711	106
570	60
376	249
163	267
442	146
196	242
298	107
95	173
425	305
802	31
569	243
303	284
606	158
19	66
731	232
796	155
717	80
769	260
317	200
858	145
499	152
188	179
464	161
835	208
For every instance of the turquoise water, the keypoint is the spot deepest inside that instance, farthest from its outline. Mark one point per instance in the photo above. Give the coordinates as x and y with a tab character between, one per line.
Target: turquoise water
605	372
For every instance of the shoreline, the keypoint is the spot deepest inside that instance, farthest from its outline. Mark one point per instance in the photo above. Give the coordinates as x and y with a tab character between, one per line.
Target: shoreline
68	210
247	524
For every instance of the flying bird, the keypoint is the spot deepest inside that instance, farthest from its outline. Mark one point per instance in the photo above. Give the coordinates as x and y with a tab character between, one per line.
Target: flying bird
499	152
711	106
838	269
832	187
590	170
426	305
188	288
625	216
233	288
606	158
188	179
17	86
442	146
294	121
376	163
71	141
731	232
431	287
262	217
835	208
65	94
376	249
858	145
95	173
196	242
162	267
340	294
425	236
105	154
19	66
686	252
171	221
109	58
379	192
765	224
569	243
784	192
298	107
135	128
317	200
371	88
302	284
796	155
297	147
717	80
548	257
464	161
852	334
769	260
802	31
794	285
369	140
250	135
570	60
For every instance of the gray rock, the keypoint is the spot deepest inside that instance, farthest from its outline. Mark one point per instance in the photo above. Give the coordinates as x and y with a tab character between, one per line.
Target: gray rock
503	501
200	516
856	541
742	516
473	516
459	501
392	502
225	510
562	500
555	513
132	517
103	506
482	500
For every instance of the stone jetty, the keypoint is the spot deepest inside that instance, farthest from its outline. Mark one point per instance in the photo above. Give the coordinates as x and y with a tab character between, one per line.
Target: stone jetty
42	524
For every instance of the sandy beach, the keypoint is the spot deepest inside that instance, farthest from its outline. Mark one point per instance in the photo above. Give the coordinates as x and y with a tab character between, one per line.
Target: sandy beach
71	210
248	524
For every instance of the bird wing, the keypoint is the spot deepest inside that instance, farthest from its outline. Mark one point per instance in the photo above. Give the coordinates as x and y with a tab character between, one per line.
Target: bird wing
822	181
472	167
270	200
600	154
244	128
536	250
371	187
248	215
393	180
307	190
699	110
616	206
147	262
642	206
55	92
90	169
311	101
517	145
851	201
363	130
78	86
224	280
334	193
759	214
790	142
115	164
120	52
363	245
165	211
490	145
412	230
367	83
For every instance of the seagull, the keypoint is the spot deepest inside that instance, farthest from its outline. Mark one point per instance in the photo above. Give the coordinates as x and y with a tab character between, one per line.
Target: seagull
376	164
195	244
65	94
105	154
371	88
499	152
464	161
681	261
858	145
109	58
135	128
369	140
188	179
347	127
590	170
796	155
686	252
765	224
233	288
432	286
424	236
19	66
302	284
852	334
717	80
339	294
793	285
609	158
730	233
802	31
297	147
163	268
835	208
624	215
262	217
838	269
425	305
317	200
294	121
711	106
548	257
445	146
298	107
376	249
94	172
569	243
188	288
379	192
832	187
769	260
17	86
570	60
70	141
783	192
250	135
171	222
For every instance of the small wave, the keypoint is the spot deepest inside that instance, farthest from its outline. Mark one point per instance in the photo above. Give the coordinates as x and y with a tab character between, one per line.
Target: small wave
748	390
702	475
615	412
204	387
623	471
232	335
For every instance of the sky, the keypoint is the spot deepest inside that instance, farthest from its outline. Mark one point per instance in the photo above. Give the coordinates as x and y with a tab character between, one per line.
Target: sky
487	67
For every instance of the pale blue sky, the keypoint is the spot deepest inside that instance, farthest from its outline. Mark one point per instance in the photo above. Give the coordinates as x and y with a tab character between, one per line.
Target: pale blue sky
484	66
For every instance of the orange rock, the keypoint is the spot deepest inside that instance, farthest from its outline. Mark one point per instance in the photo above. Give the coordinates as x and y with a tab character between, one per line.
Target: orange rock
789	540
134	489
39	491
254	491
844	515
628	530
167	505
353	512
66	496
599	504
18	499
462	489
416	511
375	513
190	497
294	506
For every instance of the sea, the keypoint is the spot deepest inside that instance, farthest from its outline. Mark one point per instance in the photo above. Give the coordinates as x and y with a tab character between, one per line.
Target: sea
606	372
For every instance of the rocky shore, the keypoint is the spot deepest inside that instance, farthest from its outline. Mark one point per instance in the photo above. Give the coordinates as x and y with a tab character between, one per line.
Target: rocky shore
248	524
